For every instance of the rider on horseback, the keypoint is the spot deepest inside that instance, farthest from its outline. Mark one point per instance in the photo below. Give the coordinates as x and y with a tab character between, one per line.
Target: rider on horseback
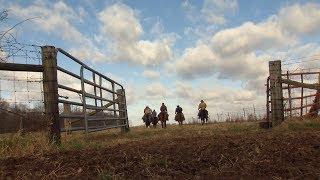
163	115
154	118
147	115
178	109
202	108
179	115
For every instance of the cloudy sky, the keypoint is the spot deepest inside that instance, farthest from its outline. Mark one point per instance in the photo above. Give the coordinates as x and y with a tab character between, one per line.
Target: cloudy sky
178	51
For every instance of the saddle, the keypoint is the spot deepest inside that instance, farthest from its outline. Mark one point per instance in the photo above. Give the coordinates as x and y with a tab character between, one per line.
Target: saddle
203	113
179	116
166	116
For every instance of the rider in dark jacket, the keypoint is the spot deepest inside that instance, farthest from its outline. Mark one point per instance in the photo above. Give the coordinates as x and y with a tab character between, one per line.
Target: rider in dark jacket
163	108
178	109
179	115
163	115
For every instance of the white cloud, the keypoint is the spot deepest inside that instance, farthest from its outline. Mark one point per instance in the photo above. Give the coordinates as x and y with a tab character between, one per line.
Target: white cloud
157	28
120	22
242	52
121	25
301	19
130	95
250	37
183	90
114	77
21	87
214	11
57	19
191	11
242	67
196	62
89	53
54	20
150	74
155	91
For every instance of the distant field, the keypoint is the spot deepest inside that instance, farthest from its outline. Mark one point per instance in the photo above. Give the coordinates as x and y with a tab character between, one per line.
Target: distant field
222	150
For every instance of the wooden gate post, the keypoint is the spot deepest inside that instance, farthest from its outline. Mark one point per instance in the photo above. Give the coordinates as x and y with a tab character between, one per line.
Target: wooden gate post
67	121
277	115
50	88
123	110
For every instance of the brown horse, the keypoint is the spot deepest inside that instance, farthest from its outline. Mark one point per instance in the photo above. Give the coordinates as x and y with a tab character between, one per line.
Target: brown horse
180	118
163	117
154	121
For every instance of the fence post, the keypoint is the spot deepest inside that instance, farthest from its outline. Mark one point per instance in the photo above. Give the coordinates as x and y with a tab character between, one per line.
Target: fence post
277	115
67	121
289	96
123	110
50	88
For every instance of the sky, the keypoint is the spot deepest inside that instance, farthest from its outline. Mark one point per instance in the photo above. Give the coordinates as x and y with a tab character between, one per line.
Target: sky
178	52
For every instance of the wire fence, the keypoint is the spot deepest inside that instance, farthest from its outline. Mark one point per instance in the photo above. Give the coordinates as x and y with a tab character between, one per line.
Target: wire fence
297	100
239	114
21	93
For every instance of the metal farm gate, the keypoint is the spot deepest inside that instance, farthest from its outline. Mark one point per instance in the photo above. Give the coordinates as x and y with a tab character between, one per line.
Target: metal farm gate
291	94
76	95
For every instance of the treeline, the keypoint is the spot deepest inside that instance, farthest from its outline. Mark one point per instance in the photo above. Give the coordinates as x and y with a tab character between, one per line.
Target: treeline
13	117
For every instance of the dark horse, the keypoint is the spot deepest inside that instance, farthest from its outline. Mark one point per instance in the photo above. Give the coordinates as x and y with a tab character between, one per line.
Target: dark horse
203	115
180	118
147	119
155	121
163	117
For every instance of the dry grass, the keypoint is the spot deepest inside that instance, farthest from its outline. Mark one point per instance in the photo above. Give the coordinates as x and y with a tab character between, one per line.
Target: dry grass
35	144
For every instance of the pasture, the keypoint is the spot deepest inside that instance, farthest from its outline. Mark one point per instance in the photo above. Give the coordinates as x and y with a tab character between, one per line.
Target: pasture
218	150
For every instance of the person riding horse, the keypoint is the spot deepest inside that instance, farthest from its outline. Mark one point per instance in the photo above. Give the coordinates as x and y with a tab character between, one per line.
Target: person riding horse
179	115
163	115
154	118
147	116
203	113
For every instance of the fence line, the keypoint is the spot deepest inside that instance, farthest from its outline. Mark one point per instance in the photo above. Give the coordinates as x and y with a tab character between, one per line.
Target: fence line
300	93
102	100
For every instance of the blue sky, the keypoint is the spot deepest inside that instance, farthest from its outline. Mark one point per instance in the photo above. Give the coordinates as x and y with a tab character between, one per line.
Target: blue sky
177	52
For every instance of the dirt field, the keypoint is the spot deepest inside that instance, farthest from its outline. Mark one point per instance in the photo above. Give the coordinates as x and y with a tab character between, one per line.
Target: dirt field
251	155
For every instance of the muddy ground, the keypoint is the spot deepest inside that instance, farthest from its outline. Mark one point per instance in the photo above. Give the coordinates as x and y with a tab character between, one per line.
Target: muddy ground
262	155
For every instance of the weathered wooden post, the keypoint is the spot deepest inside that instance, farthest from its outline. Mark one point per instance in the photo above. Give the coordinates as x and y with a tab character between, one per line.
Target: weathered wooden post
123	110
67	121
277	115
50	88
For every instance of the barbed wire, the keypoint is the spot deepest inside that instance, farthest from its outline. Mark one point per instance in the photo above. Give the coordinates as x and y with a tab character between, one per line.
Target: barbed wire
300	62
19	87
10	50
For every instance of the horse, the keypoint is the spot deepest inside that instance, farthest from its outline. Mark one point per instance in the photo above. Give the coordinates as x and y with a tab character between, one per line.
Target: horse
180	118
163	117
154	121
203	115
147	119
